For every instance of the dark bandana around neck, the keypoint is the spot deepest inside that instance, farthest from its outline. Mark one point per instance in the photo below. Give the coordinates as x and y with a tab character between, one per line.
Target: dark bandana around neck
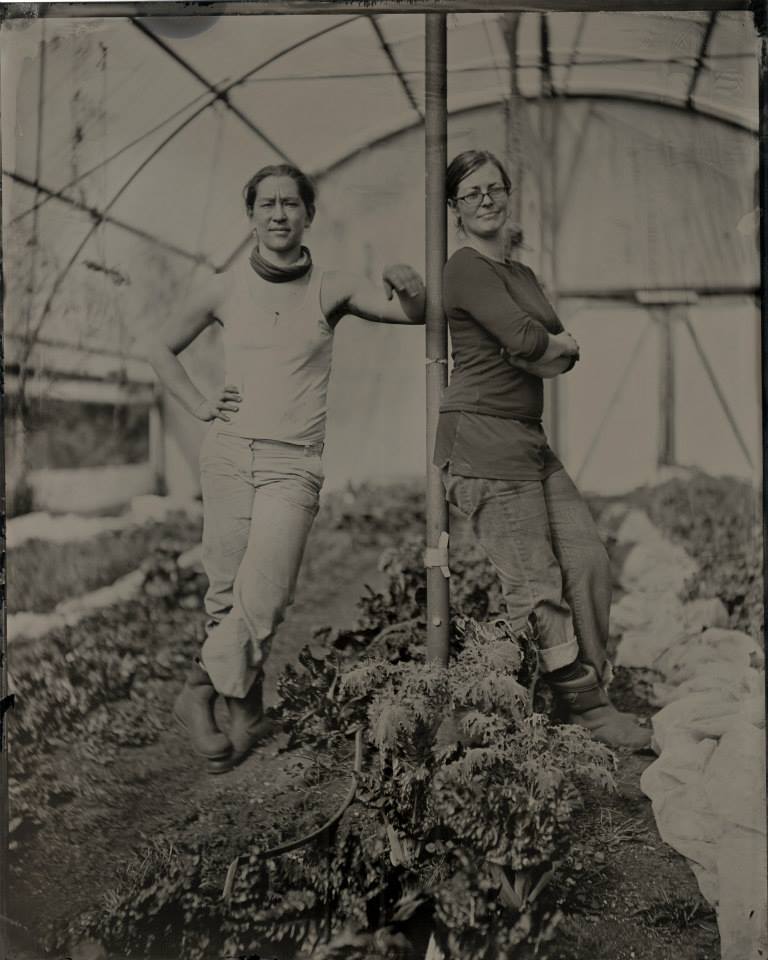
275	274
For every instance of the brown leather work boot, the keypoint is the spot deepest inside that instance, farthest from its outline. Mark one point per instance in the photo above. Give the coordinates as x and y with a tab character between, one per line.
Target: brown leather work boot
248	723
588	706
193	710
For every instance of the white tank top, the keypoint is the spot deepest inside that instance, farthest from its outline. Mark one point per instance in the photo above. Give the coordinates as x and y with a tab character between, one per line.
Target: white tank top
278	350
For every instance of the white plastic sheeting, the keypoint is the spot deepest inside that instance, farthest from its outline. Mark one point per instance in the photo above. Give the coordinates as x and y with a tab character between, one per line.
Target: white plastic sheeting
708	784
708	794
72	527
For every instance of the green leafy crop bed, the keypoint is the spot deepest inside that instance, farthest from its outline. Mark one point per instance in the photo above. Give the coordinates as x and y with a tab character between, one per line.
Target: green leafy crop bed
478	822
463	804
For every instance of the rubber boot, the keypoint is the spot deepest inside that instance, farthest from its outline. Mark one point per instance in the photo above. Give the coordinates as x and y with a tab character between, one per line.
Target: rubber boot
248	724
589	707
193	710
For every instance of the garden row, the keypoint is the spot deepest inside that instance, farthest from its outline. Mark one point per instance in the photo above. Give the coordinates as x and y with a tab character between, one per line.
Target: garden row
462	806
466	830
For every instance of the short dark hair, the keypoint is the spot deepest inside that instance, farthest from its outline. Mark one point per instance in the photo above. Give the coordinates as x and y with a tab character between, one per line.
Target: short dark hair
307	190
466	163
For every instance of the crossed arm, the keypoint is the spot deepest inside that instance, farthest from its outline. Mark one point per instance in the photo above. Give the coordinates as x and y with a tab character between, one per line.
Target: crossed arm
473	285
544	369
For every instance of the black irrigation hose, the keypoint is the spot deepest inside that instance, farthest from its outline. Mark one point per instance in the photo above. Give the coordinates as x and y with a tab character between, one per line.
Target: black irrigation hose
304	841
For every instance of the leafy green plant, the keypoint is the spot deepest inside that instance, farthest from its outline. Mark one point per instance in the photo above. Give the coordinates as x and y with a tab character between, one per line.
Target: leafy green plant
463	805
472	792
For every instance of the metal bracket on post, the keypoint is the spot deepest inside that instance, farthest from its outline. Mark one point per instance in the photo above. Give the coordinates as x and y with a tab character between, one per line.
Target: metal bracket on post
438	556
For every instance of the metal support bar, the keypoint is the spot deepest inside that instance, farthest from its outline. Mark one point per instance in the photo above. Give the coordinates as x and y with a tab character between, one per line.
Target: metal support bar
762	189
696	73
436	334
47	385
664	318
59	279
98	216
510	26
567	191
611	405
243	78
157	443
388	52
166	8
709	370
220	94
632	295
548	171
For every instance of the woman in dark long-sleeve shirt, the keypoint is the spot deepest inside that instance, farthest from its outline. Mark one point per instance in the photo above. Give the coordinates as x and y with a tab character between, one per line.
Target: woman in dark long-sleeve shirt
498	468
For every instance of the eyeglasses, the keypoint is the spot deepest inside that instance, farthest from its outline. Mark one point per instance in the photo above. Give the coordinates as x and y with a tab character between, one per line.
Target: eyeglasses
474	198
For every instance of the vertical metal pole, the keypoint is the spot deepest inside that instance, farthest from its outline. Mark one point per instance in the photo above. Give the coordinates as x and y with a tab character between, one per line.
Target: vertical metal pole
555	400
550	116
762	26
666	454
436	334
157	442
510	26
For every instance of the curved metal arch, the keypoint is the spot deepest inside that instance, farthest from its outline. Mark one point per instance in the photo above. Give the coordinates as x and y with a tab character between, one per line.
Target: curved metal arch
61	276
216	95
487	100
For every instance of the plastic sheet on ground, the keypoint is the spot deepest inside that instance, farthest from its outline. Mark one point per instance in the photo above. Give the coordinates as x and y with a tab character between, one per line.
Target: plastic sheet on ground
710	660
636	527
708	795
32	626
708	784
68	613
649	625
69	527
657	567
73	527
653	565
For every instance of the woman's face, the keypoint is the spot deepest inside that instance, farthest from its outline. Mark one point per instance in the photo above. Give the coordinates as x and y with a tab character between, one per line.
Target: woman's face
482	201
279	215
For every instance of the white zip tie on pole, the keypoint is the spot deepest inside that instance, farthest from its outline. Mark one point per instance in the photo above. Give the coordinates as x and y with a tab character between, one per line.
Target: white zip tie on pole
436	360
438	556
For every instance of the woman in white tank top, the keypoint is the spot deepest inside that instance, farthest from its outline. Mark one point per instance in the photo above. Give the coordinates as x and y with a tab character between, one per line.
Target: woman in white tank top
261	466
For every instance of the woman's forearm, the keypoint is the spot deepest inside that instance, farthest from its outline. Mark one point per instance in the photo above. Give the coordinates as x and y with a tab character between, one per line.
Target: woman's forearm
548	370
413	306
171	373
560	345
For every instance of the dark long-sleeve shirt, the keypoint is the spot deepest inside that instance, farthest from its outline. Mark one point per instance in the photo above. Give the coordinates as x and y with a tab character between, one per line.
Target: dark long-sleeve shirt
490	414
